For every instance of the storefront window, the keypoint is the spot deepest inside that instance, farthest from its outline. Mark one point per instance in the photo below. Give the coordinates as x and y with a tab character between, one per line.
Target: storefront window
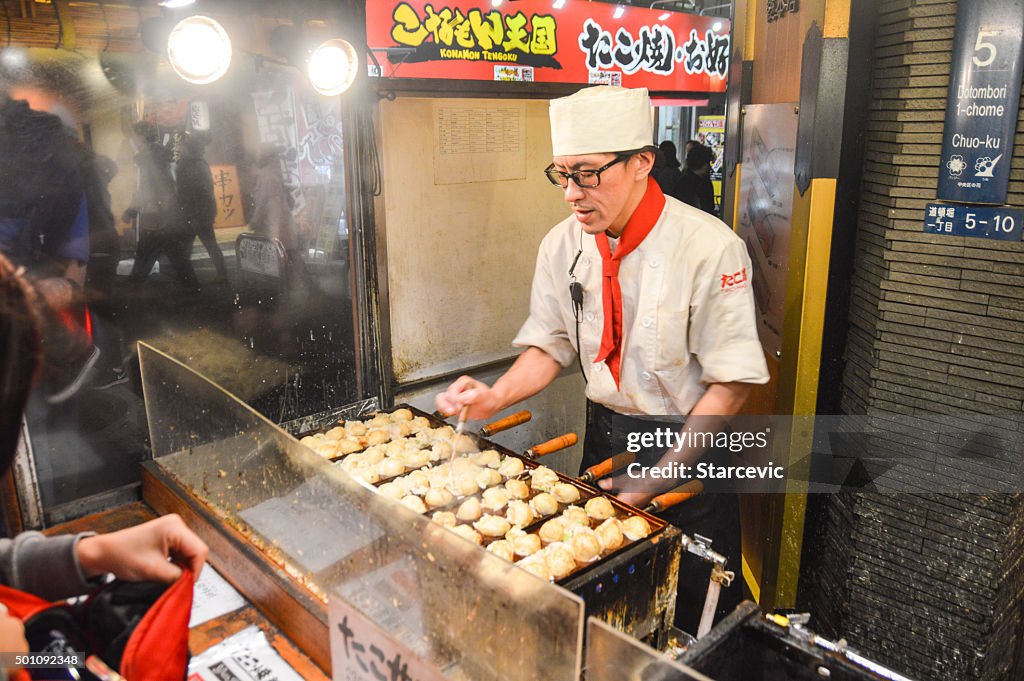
207	220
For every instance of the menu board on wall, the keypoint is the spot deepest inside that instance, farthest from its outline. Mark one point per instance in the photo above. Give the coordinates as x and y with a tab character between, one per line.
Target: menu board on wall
565	41
479	141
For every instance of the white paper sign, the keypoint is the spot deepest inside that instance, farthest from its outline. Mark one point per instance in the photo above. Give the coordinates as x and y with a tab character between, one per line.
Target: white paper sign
212	597
246	656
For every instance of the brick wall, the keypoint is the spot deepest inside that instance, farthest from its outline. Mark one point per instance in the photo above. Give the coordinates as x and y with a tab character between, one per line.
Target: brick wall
929	585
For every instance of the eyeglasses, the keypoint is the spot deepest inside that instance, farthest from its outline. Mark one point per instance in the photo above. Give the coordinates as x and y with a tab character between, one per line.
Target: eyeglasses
584	179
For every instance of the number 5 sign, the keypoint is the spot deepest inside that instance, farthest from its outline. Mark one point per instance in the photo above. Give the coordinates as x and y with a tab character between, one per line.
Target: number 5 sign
984	96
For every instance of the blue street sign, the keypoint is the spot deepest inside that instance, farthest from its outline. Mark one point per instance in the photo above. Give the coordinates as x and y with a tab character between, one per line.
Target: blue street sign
986	222
981	108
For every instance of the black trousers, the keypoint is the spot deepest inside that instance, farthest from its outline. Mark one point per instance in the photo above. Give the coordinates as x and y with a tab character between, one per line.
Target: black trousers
713	514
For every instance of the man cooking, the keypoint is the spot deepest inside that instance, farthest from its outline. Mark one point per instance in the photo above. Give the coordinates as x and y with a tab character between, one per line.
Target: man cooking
654	296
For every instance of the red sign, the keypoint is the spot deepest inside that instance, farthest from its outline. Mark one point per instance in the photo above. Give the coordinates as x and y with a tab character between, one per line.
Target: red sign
549	41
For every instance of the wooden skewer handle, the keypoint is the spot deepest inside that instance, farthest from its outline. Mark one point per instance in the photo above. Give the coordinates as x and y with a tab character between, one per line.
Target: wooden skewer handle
676	496
607	466
517	419
561	442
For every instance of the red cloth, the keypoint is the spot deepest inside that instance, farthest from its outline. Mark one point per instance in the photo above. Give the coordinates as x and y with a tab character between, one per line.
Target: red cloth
157	649
640	224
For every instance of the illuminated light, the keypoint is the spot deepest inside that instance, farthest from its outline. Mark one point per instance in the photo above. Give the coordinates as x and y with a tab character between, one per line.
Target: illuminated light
14	58
559	4
717	26
175	4
199	50
664	16
619	11
495	3
332	67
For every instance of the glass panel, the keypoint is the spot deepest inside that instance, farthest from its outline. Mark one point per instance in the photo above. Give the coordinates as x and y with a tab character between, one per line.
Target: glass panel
465	611
142	189
613	656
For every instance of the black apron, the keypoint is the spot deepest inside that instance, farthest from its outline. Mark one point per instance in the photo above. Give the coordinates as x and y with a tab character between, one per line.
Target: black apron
713	514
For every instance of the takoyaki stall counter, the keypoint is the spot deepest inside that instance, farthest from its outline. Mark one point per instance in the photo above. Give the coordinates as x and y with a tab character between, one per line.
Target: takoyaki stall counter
413	554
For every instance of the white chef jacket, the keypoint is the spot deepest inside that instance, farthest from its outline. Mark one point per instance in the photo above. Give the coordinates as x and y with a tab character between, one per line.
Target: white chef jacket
687	312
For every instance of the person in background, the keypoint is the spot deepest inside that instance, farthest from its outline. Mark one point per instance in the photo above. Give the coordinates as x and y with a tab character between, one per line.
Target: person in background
697	177
63	566
668	175
44	227
197	202
663	337
153	206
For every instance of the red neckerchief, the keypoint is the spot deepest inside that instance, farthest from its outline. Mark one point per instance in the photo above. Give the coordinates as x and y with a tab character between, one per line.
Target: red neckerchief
640	224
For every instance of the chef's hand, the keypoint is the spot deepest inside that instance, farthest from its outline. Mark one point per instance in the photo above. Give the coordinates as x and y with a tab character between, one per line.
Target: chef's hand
144	552
483	401
628	490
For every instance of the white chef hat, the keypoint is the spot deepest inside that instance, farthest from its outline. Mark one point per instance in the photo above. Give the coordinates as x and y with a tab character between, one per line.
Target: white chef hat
601	119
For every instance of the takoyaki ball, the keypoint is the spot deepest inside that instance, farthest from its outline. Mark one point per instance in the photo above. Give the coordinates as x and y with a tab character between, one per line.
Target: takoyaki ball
335	433
489	458
492	526
465	485
421	423
389	468
438	496
565	493
544	504
585	546
377	437
373	454
414	503
467	532
441	450
560	559
355	428
552	531
395	447
543	478
502	548
348	445
469	510
599	508
519	513
536	565
392	490
495	498
404	429
511	467
574	515
417	482
635	527
399	415
310	441
378	421
488	477
517	489
366	473
443	434
465	444
415	458
526	544
609	533
444	518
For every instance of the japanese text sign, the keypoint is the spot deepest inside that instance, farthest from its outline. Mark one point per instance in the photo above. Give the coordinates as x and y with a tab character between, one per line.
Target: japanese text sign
362	651
984	96
986	222
229	196
554	41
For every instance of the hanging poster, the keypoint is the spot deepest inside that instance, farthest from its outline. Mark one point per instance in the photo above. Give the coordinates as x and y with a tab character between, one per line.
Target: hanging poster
766	210
552	41
711	133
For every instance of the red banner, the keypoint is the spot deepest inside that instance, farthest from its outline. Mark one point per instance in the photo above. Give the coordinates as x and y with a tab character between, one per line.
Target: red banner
549	41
